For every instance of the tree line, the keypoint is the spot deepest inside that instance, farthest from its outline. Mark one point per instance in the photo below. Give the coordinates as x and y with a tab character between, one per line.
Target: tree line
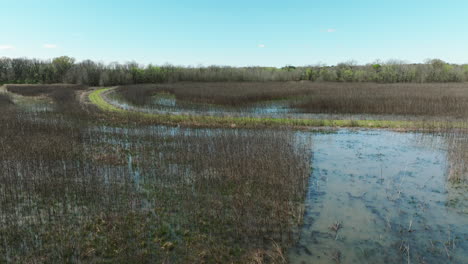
67	70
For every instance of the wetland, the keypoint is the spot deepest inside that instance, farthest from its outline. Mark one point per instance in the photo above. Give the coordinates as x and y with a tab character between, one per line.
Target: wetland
98	175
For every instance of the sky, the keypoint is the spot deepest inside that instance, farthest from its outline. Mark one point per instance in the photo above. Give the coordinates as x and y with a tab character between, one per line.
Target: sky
236	33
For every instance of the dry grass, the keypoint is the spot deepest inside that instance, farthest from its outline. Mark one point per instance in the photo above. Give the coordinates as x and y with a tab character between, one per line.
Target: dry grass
74	190
5	100
410	99
71	191
238	93
224	93
40	89
427	99
140	94
457	157
64	95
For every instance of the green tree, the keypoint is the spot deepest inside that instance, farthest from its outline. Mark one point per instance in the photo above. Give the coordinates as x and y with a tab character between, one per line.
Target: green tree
62	65
377	67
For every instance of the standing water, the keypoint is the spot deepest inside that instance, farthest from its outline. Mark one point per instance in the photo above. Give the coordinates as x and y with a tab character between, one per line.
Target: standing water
382	197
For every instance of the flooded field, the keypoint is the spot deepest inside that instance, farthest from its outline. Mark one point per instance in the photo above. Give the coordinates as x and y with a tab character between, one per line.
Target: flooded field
166	103
79	185
382	197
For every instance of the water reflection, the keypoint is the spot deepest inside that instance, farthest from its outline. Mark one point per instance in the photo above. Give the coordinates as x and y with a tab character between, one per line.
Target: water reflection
382	197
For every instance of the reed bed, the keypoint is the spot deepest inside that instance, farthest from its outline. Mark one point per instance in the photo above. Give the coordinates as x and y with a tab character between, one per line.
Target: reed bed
402	99
429	99
74	191
140	94
40	89
5	100
457	156
222	93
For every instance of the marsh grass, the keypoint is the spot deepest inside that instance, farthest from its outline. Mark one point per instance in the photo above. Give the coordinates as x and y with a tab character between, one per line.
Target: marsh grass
74	191
141	94
5	100
64	96
221	93
97	98
41	89
457	157
409	99
427	100
449	108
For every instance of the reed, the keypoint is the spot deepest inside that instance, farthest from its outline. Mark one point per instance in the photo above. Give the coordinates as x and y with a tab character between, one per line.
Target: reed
74	190
40	89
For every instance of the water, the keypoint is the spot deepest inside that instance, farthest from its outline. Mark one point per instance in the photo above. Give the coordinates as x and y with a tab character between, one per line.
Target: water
374	196
167	104
382	197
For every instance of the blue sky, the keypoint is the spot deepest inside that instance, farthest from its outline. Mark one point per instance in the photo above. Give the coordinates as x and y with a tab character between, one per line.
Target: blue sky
237	33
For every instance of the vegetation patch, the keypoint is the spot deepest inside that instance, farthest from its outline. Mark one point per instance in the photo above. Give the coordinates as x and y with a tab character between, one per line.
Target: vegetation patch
5	100
67	70
97	99
164	196
110	186
39	89
426	100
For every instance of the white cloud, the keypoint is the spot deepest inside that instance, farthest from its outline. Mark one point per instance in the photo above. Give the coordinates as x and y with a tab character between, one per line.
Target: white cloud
261	46
6	47
331	30
50	46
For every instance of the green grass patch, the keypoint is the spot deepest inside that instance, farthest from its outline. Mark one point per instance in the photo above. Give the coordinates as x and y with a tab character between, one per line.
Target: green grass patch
96	98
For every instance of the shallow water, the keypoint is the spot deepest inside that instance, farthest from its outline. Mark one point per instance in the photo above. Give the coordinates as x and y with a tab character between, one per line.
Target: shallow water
164	103
284	108
385	192
387	195
169	104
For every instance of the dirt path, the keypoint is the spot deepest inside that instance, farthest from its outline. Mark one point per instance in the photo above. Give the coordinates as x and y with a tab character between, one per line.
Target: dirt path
83	96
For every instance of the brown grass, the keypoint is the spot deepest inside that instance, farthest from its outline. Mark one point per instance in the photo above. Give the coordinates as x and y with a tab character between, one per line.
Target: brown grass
457	157
40	89
411	99
224	93
69	192
5	100
140	94
427	99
